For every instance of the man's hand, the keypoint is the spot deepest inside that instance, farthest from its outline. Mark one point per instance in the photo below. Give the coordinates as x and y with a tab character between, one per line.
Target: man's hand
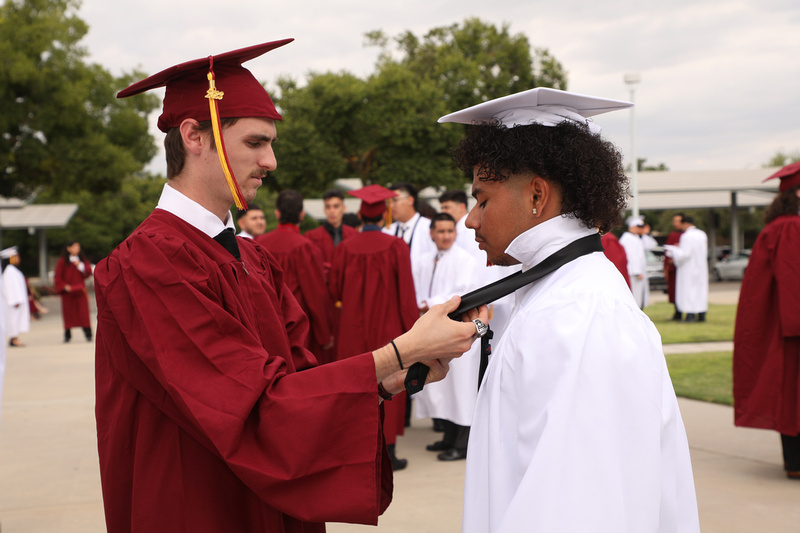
434	340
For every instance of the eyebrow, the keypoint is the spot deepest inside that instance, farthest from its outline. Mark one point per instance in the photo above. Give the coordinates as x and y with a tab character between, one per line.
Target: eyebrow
262	137
476	191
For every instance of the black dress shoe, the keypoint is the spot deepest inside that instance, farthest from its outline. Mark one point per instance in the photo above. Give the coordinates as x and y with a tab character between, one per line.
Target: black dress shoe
438	446
452	455
399	464
691	317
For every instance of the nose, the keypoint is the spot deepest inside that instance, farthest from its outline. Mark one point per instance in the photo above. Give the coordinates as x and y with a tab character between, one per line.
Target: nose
268	160
473	220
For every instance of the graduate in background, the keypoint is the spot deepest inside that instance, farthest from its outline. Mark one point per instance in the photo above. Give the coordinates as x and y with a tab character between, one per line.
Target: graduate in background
72	271
691	263
670	272
616	254
371	281
576	426
447	272
251	221
631	240
302	271
409	224
766	339
333	230
15	290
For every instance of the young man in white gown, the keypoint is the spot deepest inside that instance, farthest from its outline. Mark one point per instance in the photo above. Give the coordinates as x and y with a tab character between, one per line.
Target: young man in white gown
576	426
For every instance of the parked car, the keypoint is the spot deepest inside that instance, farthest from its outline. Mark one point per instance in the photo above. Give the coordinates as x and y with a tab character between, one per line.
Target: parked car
732	267
655	269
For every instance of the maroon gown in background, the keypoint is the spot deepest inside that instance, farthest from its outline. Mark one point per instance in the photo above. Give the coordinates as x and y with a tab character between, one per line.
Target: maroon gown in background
670	271
371	277
766	340
302	273
211	414
616	254
324	242
75	302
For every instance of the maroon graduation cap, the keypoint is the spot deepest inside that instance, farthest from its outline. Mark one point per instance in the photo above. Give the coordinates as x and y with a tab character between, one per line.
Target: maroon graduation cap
789	176
373	199
213	88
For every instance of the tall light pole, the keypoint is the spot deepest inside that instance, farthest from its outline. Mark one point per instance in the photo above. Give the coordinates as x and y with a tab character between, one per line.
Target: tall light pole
631	79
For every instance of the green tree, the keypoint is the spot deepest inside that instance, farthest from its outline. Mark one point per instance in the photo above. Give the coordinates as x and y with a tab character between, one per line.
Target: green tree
383	129
62	128
321	138
782	158
472	62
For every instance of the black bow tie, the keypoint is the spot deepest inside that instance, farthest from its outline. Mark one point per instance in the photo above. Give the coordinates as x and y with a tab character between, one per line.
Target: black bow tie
228	241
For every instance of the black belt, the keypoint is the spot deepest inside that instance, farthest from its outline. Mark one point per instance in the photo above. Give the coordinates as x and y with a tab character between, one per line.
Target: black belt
415	379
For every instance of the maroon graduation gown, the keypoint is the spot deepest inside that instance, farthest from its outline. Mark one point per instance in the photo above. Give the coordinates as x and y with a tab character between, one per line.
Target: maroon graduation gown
211	415
371	277
616	254
766	340
322	239
75	302
302	273
670	272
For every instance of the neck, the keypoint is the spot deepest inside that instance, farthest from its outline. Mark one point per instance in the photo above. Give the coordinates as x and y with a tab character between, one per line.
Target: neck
194	190
406	219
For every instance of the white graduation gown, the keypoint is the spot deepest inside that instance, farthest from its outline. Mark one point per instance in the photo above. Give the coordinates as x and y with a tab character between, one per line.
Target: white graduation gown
691	260
18	313
576	427
453	398
417	235
637	264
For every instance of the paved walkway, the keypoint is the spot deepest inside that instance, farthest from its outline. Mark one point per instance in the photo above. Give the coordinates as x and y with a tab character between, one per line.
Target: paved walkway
49	480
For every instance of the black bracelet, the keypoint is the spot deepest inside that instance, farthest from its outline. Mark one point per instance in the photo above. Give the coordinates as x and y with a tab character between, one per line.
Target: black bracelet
397	353
383	393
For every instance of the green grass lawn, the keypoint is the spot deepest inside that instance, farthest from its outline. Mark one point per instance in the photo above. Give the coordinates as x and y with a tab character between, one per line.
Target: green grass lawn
706	376
717	327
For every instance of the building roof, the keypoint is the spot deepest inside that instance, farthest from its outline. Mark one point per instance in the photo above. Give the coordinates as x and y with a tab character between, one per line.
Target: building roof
706	188
37	216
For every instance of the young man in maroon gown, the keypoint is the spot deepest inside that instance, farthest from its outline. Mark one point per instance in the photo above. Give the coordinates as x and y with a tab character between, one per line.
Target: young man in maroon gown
211	414
302	270
371	278
766	340
331	232
327	237
670	271
71	272
616	254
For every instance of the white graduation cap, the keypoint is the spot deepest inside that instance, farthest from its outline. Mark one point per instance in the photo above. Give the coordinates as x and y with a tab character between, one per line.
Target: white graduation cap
8	253
548	107
635	221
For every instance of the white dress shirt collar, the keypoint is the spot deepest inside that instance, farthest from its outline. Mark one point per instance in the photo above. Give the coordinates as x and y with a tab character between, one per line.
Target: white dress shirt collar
533	246
191	212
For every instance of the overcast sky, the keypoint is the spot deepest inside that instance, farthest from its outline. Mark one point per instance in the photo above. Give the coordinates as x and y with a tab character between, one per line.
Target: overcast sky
720	80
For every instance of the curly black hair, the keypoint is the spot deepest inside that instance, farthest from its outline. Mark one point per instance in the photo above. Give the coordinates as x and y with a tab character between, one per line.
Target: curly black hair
586	168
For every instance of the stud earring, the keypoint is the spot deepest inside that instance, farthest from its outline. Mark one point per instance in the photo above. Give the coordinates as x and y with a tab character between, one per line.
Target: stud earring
534	210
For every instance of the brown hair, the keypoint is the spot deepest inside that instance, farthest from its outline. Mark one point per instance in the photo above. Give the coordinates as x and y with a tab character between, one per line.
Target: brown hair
176	152
786	203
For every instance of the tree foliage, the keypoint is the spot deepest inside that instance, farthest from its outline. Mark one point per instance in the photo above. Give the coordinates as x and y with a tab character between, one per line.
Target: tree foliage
782	158
383	129
62	128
